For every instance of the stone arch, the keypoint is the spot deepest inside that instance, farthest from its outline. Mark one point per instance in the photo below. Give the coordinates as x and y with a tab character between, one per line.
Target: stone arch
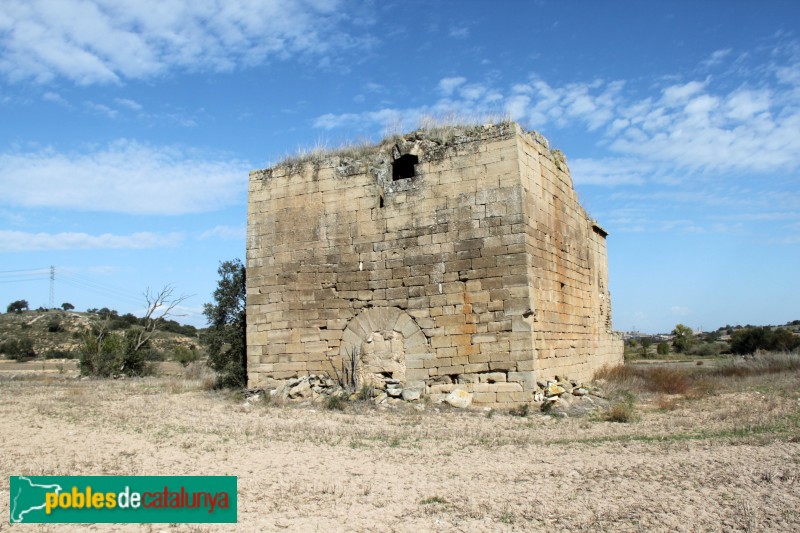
387	341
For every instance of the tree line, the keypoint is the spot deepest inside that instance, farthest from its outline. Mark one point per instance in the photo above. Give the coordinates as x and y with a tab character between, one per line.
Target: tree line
121	344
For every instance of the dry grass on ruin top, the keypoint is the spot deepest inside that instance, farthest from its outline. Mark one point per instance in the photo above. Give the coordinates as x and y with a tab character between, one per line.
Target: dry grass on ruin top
723	452
443	129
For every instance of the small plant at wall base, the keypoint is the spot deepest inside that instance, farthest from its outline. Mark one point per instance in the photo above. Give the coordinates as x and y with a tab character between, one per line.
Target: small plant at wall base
226	336
346	376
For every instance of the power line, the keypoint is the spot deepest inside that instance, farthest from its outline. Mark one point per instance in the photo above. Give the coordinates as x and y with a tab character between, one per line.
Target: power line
24	271
22	280
52	286
85	283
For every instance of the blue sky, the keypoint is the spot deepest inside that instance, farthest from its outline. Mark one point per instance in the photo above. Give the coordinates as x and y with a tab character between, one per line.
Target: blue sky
129	127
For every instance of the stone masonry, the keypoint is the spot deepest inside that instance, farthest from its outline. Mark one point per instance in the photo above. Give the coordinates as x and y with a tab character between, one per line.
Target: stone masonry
442	259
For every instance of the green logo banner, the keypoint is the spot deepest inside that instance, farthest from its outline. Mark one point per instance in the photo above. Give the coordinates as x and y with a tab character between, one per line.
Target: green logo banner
128	499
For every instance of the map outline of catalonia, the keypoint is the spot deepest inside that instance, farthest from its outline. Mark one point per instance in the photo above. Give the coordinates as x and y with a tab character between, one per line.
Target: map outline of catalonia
17	517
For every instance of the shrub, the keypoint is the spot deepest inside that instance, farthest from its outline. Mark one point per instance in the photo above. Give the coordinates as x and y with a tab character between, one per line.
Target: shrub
666	380
648	378
520	410
620	411
113	354
185	356
366	393
662	348
58	354
748	340
54	326
760	364
334	403
706	349
18	350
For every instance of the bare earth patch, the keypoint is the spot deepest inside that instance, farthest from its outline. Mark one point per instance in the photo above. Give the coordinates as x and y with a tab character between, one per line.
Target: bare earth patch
726	461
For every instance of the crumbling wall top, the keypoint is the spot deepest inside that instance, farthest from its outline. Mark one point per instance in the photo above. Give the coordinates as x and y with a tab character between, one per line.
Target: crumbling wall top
434	143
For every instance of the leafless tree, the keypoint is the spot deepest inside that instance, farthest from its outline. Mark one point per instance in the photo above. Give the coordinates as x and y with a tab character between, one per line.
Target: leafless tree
160	305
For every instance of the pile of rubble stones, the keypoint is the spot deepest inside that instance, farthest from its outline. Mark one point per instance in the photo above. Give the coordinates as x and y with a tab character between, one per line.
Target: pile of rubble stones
559	396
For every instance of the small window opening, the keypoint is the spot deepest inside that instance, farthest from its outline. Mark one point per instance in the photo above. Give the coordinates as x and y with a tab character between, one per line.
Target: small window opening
404	167
380	204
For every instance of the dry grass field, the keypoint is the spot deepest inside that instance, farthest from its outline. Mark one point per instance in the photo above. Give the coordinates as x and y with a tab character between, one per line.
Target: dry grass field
697	450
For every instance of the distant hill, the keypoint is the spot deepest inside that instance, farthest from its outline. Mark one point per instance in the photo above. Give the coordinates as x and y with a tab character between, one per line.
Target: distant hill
59	334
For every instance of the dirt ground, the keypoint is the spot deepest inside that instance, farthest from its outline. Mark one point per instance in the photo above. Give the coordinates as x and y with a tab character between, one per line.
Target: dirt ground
720	462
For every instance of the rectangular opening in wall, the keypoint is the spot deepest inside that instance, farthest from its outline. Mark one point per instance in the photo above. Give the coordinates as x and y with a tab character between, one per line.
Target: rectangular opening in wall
404	167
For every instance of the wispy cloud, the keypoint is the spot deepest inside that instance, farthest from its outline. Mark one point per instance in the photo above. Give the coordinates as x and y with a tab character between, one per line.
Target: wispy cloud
19	241
608	171
128	103
696	125
102	41
459	32
225	232
55	98
124	177
102	109
448	85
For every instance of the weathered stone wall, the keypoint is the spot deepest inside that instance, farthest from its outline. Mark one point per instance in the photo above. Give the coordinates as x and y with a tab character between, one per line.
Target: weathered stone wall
480	272
568	269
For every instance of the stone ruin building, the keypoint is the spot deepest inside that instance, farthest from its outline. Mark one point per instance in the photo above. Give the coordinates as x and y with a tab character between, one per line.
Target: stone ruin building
451	258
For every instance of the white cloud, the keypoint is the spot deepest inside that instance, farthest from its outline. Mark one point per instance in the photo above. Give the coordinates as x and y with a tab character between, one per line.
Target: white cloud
448	85
608	171
716	57
680	94
225	232
106	41
19	241
331	121
696	126
124	177
54	97
472	91
130	104
459	32
102	109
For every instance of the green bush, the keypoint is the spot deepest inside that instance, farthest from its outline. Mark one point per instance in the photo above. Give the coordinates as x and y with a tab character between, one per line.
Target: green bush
184	355
621	409
58	354
54	326
706	348
748	340
662	348
335	403
113	354
19	350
